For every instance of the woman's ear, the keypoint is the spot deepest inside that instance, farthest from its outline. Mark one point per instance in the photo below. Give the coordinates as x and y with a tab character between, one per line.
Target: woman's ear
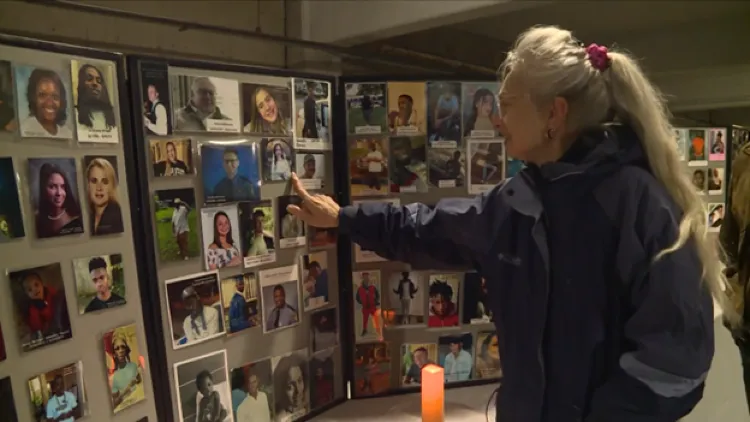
558	113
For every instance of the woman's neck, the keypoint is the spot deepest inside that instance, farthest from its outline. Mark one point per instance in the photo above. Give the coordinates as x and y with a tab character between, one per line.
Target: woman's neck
99	209
56	213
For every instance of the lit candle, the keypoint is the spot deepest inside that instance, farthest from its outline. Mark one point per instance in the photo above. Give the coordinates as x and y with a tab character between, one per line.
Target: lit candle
433	394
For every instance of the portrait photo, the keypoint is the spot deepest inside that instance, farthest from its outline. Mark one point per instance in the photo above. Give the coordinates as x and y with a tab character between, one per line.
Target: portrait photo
363	255
486	164
239	297
444	114
257	232
487	356
414	356
7	403
715	216
443	299
365	109
291	228
267	109
176	219
408	165
291	384
125	367
447	167
279	297
407	109
278	159
455	356
45	109
322	390
481	109
476	301
95	101
59	395
252	392
324	329
372	369
173	157
311	170
697	155
681	141
222	246
195	310
368	166
204	104
367	323
699	180
715	181
406	299
11	216
717	144
312	114
41	310
203	389
229	173
157	119
314	280
8	120
100	282
53	186
102	194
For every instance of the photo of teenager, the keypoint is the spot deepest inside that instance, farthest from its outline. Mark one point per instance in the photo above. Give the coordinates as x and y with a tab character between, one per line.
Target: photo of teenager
715	181
311	170
455	356
8	121
157	120
408	170
443	294
230	173
365	108
699	180
715	216
125	367
95	102
44	103
486	159
279	297
312	104
681	141
172	157
278	159
59	395
314	280
176	221
414	357
476	306
291	384
7	402
444	114
291	228
102	180
100	282
367	306
205	104
513	166
406	108
239	297
697	155
372	369
267	109
362	255
221	237
480	109
41	310
53	184
257	226
321	378
252	392
717	144
368	166
447	167
203	389
11	217
195	310
406	297
488	356
324	331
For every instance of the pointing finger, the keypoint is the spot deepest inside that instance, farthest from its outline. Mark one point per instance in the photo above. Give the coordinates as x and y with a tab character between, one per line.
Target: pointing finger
297	185
297	211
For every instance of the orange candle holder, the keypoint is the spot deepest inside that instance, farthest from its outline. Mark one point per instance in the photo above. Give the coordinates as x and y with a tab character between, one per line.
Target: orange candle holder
433	393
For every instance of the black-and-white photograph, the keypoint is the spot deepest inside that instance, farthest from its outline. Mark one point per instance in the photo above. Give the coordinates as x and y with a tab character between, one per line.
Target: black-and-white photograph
291	383
203	388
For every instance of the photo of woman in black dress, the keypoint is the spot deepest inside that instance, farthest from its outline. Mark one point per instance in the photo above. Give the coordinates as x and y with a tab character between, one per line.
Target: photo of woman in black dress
58	210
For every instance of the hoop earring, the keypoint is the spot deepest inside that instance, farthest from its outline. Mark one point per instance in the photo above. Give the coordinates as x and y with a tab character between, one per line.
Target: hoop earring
550	133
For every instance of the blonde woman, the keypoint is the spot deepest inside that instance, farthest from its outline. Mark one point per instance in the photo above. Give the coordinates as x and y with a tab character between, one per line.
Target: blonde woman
599	270
104	208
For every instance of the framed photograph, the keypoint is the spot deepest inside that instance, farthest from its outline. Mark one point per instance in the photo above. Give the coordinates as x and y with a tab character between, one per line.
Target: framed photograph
362	255
414	356
697	156
408	166
11	217
267	109
486	164
444	114
447	167
443	294
314	280
53	185
125	367
7	403
100	282
157	120
102	194
195	310
311	170
455	356
324	330
221	237
715	216
176	221
45	109
487	363
279	297
681	141
95	101
312	114
717	144
322	390
258	229
59	394
278	159
716	181
366	111
367	306
372	369
291	228
172	157
203	389
255	381
205	104
239	297
480	109
407	108
368	166
229	173
476	303
291	383
8	120
406	299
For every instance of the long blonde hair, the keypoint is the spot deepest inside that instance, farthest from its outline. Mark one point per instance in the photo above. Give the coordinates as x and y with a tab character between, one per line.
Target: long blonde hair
554	64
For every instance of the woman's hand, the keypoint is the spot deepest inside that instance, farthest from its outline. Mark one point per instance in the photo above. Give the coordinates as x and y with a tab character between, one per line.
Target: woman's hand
316	210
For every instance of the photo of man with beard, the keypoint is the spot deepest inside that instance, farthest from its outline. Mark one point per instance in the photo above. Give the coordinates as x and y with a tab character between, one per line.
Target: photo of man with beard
94	101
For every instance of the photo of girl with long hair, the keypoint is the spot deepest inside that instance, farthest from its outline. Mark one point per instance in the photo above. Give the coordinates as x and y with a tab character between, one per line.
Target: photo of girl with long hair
291	385
221	244
267	109
57	209
480	109
94	97
43	102
487	363
105	214
278	159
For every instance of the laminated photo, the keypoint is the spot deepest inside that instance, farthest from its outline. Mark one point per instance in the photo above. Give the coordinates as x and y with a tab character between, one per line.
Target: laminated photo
312	115
8	120
59	394
53	186
291	383
314	268
408	167
406	299
447	167
203	389
486	164
365	108
41	310
362	255
267	109
715	216
100	282
322	389
487	362
291	228
407	108
222	246
125	367
279	291
681	142
157	119
480	109
278	159
7	403
172	157
95	101
45	106
717	144
311	170
324	331
476	302
205	103
443	295
258	229
239	297
102	194
195	310
698	178
444	114
252	392
372	369
176	219
229	172
368	166
367	290
414	356
697	155
455	356
11	216
715	181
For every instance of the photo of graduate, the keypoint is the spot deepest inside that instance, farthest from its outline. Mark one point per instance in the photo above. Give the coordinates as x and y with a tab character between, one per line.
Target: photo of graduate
53	185
239	296
45	106
102	194
230	173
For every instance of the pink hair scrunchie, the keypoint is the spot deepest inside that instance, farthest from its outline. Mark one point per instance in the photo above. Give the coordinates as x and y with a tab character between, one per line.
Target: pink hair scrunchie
598	56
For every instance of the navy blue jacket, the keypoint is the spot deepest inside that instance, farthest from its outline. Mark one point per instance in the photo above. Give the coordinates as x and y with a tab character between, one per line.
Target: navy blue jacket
591	328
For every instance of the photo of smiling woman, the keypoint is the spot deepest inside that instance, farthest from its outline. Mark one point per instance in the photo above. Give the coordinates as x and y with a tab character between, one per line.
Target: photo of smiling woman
43	102
52	182
267	109
94	96
105	214
224	248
